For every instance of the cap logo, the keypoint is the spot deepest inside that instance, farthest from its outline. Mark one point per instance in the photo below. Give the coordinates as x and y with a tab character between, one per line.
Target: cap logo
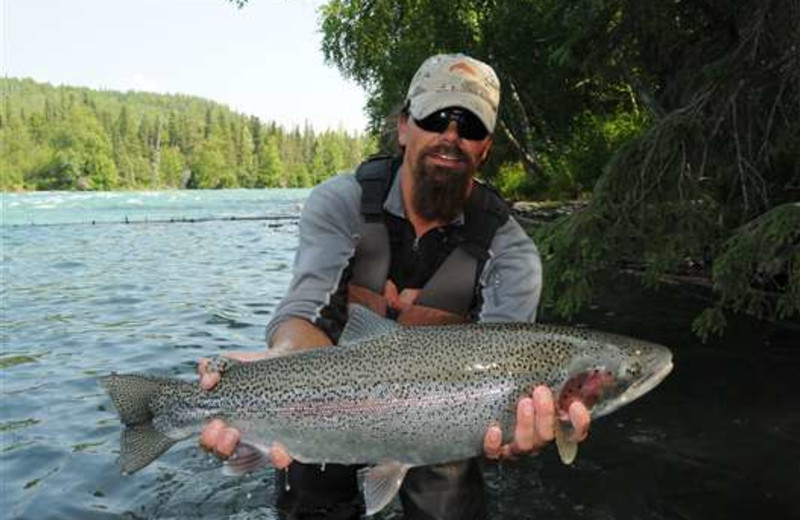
461	66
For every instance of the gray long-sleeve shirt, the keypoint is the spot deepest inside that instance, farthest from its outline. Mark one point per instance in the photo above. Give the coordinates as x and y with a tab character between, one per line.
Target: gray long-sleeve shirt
511	279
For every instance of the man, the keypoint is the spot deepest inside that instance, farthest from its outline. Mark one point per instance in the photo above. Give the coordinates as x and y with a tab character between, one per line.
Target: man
419	240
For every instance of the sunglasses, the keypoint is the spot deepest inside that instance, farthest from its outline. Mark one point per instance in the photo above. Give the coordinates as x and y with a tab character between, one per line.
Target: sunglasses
469	126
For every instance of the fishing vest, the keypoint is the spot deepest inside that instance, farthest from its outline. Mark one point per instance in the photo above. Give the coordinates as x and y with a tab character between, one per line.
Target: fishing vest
447	296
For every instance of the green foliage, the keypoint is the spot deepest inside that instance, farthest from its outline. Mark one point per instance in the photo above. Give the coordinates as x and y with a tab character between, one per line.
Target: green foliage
575	166
171	167
83	153
15	142
757	270
211	169
513	181
681	118
63	138
270	171
572	259
710	322
708	181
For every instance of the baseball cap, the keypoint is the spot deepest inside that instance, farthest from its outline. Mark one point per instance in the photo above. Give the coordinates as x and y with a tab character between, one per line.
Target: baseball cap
455	80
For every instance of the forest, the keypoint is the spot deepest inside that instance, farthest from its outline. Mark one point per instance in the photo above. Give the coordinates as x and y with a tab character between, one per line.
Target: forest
676	123
65	138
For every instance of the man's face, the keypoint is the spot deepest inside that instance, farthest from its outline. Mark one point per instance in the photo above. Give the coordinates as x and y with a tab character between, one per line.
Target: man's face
442	166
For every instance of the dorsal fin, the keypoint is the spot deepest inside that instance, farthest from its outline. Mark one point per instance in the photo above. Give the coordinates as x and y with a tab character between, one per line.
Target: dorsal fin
363	324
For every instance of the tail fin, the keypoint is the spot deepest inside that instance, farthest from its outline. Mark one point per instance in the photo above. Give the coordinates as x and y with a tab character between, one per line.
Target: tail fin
140	442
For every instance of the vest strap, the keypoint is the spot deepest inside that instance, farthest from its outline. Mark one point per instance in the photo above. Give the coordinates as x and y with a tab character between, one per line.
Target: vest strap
373	257
375	176
452	285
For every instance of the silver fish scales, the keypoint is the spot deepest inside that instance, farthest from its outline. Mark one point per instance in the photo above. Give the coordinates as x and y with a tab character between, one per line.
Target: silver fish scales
389	396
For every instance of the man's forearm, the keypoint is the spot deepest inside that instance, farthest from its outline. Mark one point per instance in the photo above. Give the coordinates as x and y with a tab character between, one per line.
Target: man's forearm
297	334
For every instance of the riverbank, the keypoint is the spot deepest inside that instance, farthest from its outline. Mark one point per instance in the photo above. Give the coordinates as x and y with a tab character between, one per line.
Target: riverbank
531	213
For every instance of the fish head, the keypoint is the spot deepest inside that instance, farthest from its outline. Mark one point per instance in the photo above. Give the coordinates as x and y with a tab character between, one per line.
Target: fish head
612	371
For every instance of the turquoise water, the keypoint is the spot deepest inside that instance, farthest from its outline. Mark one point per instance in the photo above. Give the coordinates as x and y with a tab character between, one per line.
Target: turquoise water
193	274
80	300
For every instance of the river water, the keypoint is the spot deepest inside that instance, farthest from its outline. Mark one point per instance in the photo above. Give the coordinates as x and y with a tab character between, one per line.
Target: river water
150	282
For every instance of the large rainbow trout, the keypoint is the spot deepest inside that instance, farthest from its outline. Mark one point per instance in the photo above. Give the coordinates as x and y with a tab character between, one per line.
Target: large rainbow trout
389	396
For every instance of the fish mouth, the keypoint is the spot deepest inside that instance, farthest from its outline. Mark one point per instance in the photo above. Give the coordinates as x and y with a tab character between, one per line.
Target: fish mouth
654	370
646	384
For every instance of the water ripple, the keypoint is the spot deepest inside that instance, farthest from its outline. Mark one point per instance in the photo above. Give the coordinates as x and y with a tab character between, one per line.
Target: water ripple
83	301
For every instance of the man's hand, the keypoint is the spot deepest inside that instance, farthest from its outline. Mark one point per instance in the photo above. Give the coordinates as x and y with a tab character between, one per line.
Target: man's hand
217	436
210	378
535	426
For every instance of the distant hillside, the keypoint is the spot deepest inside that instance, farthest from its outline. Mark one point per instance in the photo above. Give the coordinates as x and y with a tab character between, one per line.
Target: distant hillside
62	138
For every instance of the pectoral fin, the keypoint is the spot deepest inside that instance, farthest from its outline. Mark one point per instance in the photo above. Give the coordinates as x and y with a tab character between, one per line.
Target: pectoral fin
381	483
567	448
249	457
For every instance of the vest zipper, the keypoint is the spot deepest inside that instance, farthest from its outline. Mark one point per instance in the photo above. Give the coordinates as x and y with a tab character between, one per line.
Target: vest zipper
415	245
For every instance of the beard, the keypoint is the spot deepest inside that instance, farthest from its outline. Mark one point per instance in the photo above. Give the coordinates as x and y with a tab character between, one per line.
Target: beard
440	193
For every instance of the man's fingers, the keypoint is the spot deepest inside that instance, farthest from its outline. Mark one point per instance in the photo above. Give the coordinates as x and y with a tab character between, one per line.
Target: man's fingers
535	426
535	422
223	440
210	434
545	413
208	380
524	431
492	443
580	419
220	438
227	441
391	295
280	457
408	297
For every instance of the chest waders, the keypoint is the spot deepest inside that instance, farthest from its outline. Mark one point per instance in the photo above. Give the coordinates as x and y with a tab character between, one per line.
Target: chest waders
451	491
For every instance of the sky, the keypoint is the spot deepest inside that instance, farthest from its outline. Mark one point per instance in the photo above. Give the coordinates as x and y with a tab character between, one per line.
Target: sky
263	60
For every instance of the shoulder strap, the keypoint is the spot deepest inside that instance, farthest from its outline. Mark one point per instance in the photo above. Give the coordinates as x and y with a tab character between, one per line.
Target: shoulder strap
373	253
375	176
485	212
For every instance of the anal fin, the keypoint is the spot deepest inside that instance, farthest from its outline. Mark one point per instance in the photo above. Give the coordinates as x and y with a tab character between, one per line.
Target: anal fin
140	445
567	448
380	484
